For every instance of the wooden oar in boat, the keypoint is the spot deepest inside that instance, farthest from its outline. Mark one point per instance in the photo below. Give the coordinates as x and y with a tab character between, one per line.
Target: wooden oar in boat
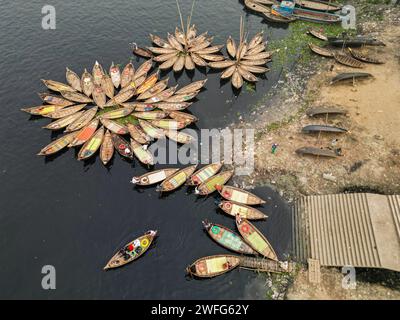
212	266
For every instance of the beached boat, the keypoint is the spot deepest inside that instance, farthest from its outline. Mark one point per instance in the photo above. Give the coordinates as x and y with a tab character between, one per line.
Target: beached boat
239	195
63	112
97	73
82	121
85	133
257	5
107	148
122	146
325	111
114	126
360	56
150	130
350	76
58	144
153	177
254	238
115	74
204	173
57	86
43	110
132	250
138	134
347	60
108	86
143	155
227	238
232	208
177	179
313	151
210	185
76	96
63	122
55	100
317	34
127	74
178	136
358	41
92	145
87	83
73	80
321	51
322	128
212	266
117	113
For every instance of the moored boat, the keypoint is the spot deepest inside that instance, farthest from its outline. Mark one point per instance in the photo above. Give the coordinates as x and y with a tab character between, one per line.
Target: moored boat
57	86
58	144
55	100
76	96
153	177
210	185
92	145
87	83
177	179
82	121
212	266
85	133
239	195
107	148
73	79
138	134
320	50
122	146
233	208
98	73
143	155
63	122
127	74
204	173
64	112
114	126
43	110
150	130
115	74
116	113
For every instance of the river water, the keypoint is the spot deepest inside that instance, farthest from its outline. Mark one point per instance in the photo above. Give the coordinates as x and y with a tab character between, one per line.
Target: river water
74	215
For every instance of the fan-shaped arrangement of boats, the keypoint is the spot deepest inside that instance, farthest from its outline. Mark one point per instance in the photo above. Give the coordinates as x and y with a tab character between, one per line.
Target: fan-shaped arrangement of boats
106	111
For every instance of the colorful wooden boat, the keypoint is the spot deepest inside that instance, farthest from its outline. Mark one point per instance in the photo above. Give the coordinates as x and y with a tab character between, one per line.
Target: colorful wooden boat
138	134
64	112
57	86
87	83
92	145
254	238
115	74
232	208
148	83
177	179
108	86
210	185
153	177
139	106
204	173
171	106
182	97
157	88
73	80
168	124
107	148
55	100
83	120
150	115
98	73
327	6
150	130
85	133
132	250
142	52
183	116
163	95
127	74
122	146
99	96
58	144
63	122
193	87
43	110
159	41
239	195
178	136
227	238
121	97
143	155
143	69
114	127
315	16
212	266
117	113
76	96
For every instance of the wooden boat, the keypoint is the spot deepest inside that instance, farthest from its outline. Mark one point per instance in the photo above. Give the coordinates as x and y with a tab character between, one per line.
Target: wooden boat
209	50
98	73
222	64
232	208
153	177
256	40
137	82
258	56
63	122
322	128
122	146
99	96
87	83
179	64
150	130
143	155
139	106
150	115
253	69
156	89
212	266
239	195
204	173
210	185
247	75
183	116
115	74
254	238
157	50
107	148
92	145
73	80
347	60
58	144
350	76
326	6
159	41
237	79
354	42
178	136
173	106
197	60
324	111
177	179
127	74
265	265
75	96
57	86
138	134
166	57
168	124
321	51
211	57
108	86
142	52
311	15
132	250
228	72
227	238
231	46
85	133
114	127
143	69
257	6
317	34
117	113
148	83
163	95
43	110
316	152
55	100
362	57
83	120
182	97
274	16
254	62
121	97
256	50
174	43
64	112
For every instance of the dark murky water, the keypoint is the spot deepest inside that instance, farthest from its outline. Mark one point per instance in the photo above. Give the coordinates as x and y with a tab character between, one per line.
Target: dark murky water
73	215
